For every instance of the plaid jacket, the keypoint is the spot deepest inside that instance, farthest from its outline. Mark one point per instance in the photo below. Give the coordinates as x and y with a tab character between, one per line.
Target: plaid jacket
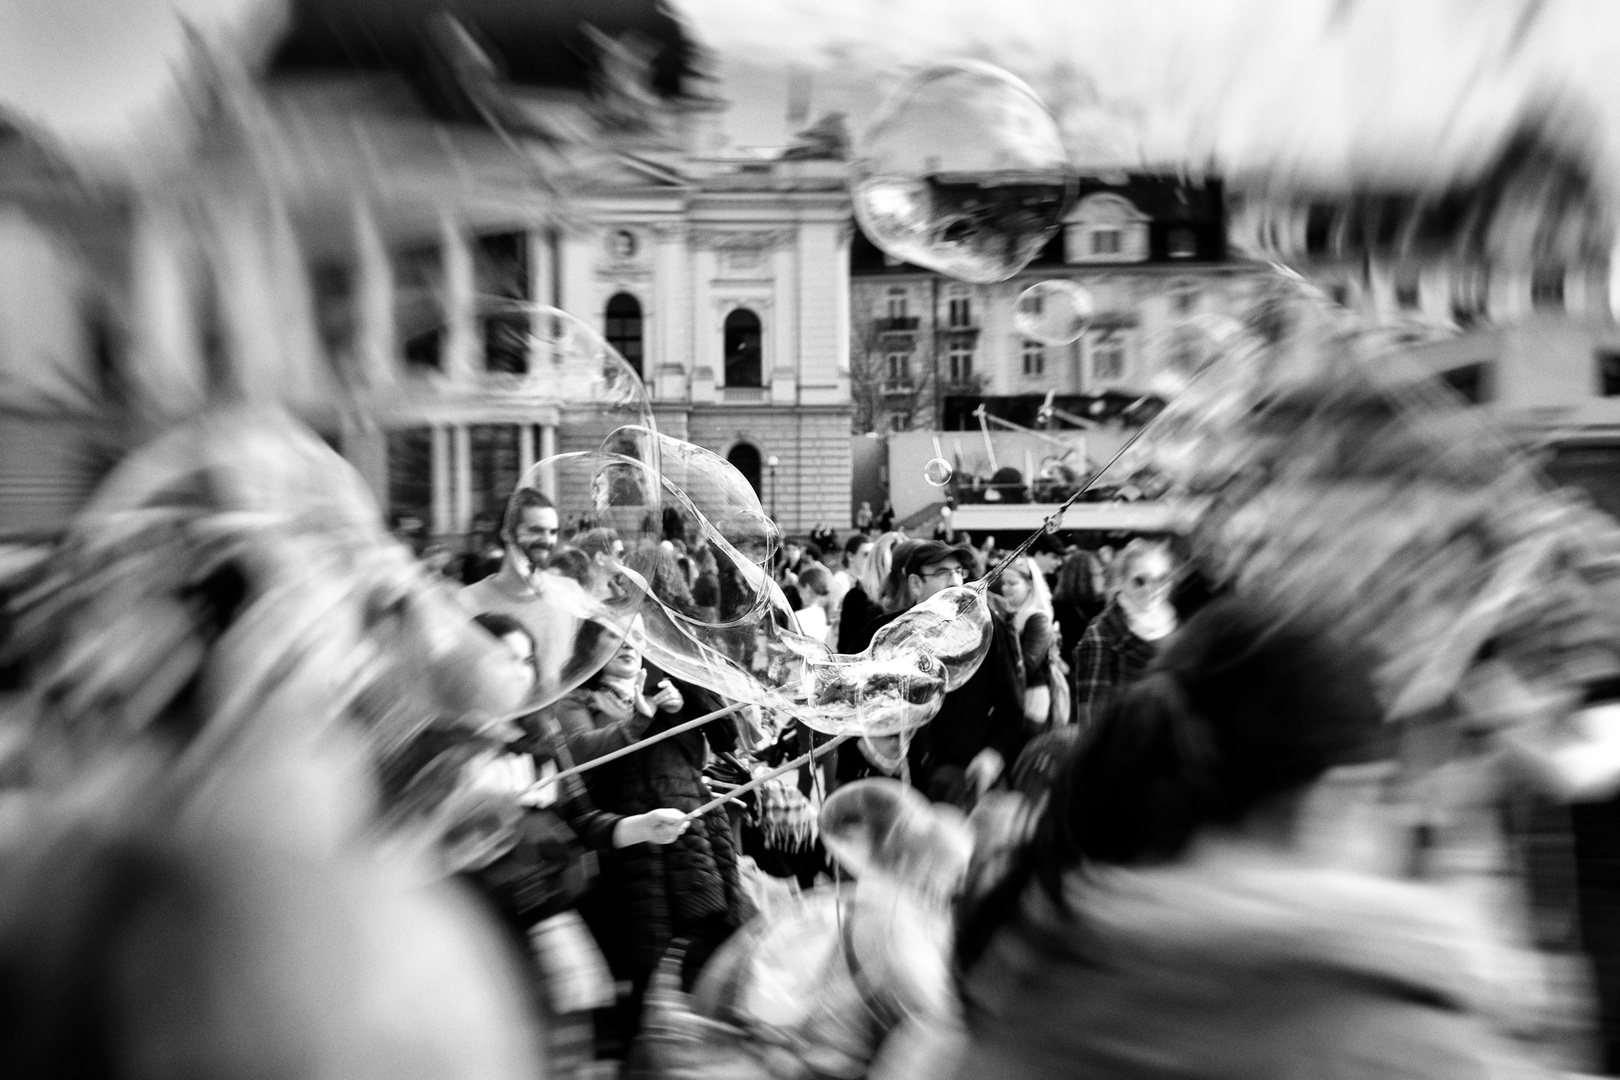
1109	656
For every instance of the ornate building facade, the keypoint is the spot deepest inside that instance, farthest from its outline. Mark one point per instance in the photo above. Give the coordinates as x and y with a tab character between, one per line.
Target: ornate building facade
360	202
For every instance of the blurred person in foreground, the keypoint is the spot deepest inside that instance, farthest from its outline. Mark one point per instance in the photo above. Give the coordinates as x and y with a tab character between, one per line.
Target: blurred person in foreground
1119	644
1165	919
979	729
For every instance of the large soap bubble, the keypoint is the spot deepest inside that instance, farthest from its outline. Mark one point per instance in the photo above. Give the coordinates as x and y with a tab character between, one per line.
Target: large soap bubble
937	472
717	492
1054	312
570	525
555	366
963	172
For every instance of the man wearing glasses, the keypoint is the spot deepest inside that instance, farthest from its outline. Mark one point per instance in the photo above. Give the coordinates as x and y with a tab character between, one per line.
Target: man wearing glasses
978	731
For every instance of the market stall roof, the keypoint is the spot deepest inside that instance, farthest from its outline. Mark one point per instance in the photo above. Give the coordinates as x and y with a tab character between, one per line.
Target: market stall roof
1145	516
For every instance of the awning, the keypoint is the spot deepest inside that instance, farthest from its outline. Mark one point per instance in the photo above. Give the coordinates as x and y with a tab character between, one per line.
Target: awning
1098	517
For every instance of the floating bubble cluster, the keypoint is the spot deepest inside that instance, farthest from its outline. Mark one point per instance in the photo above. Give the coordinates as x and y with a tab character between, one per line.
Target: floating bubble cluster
611	577
1054	312
963	172
937	472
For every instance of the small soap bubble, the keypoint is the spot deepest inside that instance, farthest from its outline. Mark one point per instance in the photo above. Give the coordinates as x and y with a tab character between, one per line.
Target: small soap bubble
938	472
1054	312
963	172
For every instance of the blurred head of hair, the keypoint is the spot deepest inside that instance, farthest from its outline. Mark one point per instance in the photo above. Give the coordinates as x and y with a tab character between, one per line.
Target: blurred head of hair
816	579
660	567
875	580
598	541
1239	711
524	498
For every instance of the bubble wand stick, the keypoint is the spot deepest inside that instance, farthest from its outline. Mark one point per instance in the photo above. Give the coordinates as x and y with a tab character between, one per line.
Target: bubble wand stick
1054	520
639	744
802	759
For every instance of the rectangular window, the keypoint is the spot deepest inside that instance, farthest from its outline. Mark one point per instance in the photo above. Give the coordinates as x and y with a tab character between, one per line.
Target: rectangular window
410	480
961	312
1034	358
1468	381
494	468
960	359
332	285
1108	358
1470	293
1608	372
1407	295
1105	242
1182	244
418	311
1318	226
501	281
897	304
1547	288
897	370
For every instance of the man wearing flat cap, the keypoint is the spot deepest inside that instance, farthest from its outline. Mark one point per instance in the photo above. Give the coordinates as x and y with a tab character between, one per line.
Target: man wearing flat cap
979	729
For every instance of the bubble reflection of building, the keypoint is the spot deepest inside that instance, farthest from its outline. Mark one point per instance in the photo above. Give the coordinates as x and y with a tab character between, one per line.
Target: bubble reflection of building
359	182
1151	249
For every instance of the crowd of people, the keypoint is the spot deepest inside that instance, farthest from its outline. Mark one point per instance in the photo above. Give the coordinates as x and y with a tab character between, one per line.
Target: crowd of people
1127	844
1103	854
1105	726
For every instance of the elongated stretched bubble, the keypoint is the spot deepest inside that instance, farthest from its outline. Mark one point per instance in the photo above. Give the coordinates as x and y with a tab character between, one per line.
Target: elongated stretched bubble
573	522
610	576
573	514
760	657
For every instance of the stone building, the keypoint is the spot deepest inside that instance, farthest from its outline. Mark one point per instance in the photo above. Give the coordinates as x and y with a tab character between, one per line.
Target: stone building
1151	250
1505	281
364	185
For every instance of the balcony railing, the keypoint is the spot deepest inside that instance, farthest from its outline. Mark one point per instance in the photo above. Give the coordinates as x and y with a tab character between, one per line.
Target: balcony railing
748	395
898	325
899	386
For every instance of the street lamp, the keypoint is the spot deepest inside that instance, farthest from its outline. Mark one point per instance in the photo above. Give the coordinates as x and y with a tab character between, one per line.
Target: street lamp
771	463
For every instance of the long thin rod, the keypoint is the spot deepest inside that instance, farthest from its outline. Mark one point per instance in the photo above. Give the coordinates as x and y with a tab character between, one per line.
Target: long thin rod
640	744
802	759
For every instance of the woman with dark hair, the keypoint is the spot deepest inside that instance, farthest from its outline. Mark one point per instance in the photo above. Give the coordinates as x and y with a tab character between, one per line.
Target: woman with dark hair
1165	921
647	898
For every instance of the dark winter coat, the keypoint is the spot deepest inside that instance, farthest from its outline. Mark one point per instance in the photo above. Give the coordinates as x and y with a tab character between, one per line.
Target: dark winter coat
986	712
648	895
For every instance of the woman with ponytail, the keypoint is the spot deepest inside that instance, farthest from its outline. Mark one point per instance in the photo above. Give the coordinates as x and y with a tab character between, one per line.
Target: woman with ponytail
1165	920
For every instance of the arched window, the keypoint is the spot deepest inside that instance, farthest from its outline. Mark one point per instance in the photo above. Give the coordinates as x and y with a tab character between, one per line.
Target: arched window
742	345
744	457
623	328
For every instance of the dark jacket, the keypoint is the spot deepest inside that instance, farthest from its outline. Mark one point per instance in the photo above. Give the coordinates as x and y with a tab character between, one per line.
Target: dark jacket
648	895
987	711
544	873
1108	656
855	612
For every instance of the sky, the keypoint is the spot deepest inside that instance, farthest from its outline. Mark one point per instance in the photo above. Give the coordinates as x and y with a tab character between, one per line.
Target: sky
1333	88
